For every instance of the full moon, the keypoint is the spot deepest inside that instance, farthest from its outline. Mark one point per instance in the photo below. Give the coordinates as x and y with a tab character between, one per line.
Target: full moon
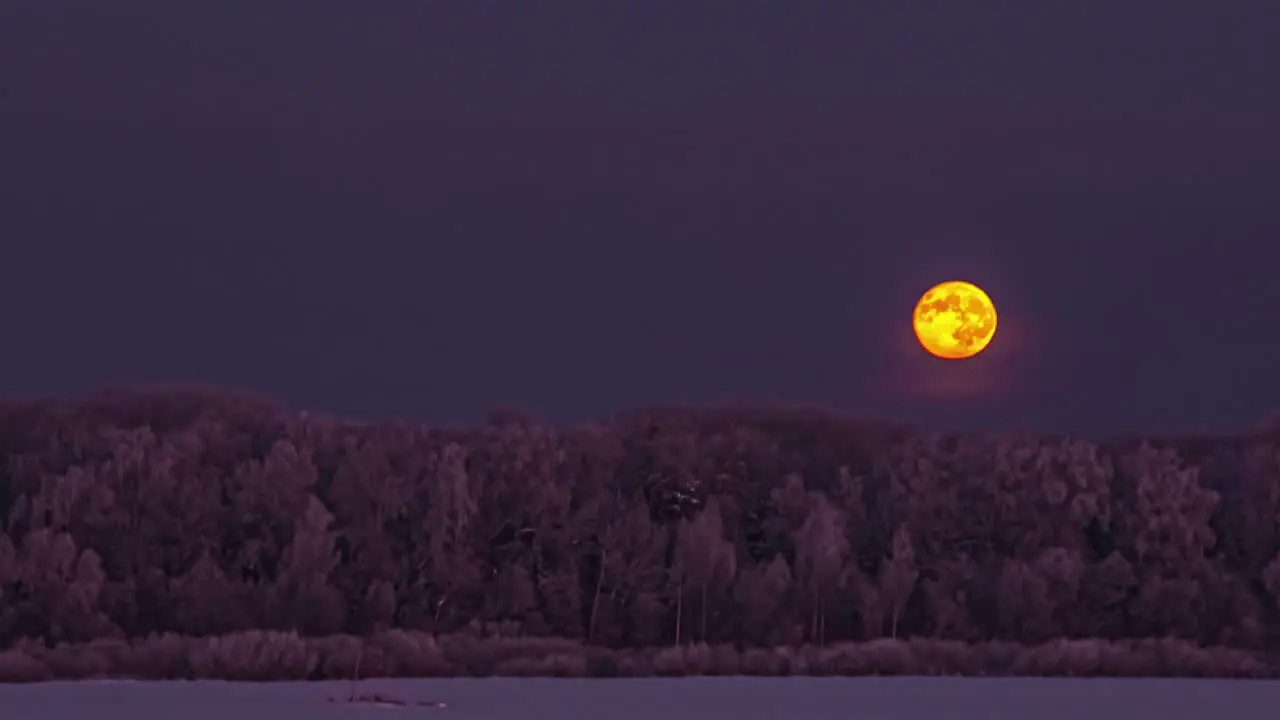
954	320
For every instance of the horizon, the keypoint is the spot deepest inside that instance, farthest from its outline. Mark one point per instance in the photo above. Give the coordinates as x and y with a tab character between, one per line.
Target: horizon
1266	429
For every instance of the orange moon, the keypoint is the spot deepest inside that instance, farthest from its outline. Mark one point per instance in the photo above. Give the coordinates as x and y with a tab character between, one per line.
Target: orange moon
954	320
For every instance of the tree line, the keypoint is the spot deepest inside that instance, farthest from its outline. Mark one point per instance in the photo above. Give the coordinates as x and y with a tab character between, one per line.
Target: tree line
204	513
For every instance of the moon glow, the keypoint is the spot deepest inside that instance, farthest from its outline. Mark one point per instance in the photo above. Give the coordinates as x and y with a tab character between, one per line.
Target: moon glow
954	320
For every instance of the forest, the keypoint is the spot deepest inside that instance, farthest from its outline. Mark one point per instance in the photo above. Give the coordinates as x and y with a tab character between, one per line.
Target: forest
191	532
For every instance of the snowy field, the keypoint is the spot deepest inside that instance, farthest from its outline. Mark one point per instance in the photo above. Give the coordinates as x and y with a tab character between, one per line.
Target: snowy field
658	699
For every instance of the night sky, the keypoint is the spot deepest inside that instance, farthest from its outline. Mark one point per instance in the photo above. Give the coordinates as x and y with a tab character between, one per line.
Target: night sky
428	209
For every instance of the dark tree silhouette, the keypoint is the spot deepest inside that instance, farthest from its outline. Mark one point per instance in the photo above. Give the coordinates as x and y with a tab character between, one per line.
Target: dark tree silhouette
199	512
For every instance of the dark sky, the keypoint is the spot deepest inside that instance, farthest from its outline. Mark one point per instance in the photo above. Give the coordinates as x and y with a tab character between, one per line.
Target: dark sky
427	209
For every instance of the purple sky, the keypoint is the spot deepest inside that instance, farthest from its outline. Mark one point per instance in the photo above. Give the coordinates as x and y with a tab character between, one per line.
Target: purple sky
426	209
